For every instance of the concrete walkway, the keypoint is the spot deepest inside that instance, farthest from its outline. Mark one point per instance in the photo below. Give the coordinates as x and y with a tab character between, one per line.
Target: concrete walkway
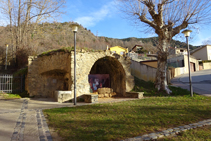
201	82
23	120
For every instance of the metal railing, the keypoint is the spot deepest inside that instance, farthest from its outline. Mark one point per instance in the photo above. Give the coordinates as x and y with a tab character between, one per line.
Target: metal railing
11	84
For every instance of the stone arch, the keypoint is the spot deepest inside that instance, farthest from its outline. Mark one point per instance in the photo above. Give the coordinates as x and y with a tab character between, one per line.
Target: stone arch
59	66
85	62
110	65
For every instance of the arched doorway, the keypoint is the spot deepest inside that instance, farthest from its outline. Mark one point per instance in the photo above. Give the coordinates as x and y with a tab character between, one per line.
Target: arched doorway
111	66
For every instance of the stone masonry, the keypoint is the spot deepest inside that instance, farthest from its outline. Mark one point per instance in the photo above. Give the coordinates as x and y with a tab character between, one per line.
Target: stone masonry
49	73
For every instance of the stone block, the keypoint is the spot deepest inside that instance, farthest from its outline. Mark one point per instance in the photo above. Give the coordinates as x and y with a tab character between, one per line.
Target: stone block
138	95
105	90
63	96
90	98
106	95
100	95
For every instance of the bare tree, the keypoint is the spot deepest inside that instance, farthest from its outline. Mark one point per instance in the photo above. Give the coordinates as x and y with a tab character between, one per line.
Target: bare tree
25	15
167	18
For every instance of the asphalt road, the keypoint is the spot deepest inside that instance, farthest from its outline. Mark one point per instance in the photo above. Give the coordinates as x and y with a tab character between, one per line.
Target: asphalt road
201	82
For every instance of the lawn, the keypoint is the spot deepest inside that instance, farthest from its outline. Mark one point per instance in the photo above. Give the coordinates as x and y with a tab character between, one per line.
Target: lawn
9	96
116	121
199	134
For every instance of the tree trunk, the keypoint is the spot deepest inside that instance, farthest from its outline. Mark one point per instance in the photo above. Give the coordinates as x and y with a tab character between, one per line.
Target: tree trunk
161	78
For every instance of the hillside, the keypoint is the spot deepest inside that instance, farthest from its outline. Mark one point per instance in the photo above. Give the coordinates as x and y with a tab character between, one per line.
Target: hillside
48	36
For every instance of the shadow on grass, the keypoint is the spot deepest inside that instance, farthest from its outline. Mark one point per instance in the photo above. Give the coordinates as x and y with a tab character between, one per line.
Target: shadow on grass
149	89
122	120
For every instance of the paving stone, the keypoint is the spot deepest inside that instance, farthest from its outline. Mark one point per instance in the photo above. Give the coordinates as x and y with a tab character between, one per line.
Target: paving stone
146	138
165	131
49	137
209	123
170	130
152	134
146	135
186	126
160	136
176	129
166	134
200	125
159	133
139	138
183	130
153	137
194	127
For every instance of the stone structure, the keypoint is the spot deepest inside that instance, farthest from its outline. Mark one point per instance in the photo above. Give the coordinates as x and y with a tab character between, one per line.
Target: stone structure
138	95
105	92
90	98
55	72
62	96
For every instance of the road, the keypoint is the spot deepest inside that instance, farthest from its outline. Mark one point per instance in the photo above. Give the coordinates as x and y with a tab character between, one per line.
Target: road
201	82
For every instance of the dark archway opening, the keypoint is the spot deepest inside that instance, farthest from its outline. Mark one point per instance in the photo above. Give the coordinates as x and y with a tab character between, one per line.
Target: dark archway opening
54	80
111	66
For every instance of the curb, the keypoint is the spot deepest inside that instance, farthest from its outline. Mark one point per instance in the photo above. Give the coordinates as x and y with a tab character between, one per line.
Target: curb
170	132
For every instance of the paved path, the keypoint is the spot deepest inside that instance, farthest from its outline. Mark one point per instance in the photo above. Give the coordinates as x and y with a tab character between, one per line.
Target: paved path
201	82
23	120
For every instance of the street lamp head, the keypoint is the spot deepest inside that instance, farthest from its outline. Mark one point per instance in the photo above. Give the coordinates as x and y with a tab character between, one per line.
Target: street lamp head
187	33
74	27
6	45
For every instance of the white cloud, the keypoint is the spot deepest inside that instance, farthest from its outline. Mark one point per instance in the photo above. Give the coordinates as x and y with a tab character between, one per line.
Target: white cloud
93	18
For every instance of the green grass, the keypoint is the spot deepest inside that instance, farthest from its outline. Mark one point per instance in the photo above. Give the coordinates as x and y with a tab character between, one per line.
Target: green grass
116	121
199	134
10	96
149	89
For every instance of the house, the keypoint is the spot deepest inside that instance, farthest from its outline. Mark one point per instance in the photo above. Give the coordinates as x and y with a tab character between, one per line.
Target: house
119	50
202	53
175	50
178	61
136	48
178	64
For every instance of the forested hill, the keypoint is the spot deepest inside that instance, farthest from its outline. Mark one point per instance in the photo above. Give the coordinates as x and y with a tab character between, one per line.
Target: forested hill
48	36
153	41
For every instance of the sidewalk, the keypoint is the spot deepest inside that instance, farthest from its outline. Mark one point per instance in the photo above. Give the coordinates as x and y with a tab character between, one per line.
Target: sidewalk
23	119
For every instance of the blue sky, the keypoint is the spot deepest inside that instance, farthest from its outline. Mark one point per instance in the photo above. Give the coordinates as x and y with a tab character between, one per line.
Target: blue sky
103	18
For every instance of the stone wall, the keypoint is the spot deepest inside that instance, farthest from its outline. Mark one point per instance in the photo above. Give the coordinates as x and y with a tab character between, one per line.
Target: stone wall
142	71
207	65
50	73
47	74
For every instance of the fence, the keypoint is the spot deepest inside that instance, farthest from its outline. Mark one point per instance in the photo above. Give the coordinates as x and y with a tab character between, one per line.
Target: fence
12	84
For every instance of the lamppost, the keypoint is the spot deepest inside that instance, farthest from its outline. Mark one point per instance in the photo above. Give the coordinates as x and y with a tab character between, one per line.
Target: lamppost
74	29
6	56
187	34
